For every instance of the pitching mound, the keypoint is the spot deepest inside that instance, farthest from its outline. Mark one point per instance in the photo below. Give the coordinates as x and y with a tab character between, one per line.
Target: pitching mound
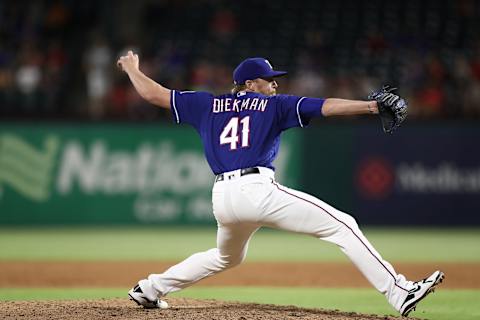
180	309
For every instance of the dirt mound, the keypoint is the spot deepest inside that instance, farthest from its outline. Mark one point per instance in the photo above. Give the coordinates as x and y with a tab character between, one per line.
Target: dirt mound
180	309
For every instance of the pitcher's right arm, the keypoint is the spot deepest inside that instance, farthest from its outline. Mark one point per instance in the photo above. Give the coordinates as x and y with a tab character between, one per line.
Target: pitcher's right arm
148	89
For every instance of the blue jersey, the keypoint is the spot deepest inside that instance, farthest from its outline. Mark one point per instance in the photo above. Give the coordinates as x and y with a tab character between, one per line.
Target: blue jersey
241	130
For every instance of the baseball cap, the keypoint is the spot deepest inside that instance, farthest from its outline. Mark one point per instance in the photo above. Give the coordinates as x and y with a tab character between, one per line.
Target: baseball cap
253	68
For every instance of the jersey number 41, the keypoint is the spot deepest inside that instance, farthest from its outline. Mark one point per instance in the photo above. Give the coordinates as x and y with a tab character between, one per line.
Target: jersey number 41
230	134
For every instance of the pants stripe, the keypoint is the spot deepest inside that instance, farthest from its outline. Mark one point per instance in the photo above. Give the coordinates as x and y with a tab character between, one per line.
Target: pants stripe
316	205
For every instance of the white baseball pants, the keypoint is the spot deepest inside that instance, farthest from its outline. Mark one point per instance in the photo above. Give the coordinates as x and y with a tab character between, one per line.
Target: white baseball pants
243	204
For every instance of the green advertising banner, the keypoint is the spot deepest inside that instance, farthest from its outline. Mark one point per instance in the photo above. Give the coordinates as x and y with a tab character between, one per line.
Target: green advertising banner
112	174
328	164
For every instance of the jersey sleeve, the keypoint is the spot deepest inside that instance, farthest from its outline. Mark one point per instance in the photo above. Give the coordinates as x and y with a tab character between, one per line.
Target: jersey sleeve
190	106
295	111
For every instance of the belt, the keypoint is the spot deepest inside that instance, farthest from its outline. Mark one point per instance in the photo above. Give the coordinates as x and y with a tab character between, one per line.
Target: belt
243	172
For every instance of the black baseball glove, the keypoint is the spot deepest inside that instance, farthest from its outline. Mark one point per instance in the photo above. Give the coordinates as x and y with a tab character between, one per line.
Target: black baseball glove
391	108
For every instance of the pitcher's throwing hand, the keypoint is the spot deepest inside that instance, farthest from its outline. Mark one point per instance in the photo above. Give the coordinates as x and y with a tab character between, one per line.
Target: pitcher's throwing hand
128	62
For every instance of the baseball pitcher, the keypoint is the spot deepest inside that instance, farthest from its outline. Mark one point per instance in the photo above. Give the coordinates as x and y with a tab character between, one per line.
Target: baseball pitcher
240	132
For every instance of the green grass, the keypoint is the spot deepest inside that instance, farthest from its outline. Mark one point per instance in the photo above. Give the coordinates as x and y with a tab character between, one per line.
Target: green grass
443	305
414	245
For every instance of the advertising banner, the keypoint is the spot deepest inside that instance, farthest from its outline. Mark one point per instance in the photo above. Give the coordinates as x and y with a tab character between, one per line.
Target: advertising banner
111	174
420	175
328	164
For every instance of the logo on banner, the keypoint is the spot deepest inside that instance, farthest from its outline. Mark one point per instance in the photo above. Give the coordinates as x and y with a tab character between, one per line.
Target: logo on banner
27	169
378	178
442	178
375	178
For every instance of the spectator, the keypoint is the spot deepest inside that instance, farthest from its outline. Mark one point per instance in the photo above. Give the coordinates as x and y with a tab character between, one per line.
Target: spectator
55	66
223	24
6	81
98	62
28	77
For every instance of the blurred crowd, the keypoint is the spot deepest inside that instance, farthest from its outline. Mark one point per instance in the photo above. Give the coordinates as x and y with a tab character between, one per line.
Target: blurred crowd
57	58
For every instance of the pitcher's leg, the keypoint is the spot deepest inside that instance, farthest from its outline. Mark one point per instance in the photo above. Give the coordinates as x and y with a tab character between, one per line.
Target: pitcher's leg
232	245
379	272
299	212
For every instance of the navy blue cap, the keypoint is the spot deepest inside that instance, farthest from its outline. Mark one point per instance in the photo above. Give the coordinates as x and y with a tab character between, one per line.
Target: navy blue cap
253	68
